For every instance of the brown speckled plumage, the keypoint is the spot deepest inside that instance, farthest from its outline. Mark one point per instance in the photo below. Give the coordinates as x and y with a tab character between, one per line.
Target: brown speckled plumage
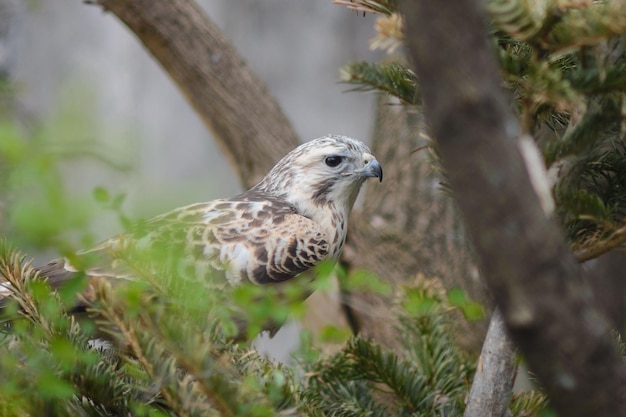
292	220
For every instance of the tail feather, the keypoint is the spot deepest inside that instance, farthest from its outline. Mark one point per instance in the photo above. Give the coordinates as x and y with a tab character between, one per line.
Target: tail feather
55	274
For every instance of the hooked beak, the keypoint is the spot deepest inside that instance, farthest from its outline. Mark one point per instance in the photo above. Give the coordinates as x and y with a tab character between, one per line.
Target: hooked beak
372	169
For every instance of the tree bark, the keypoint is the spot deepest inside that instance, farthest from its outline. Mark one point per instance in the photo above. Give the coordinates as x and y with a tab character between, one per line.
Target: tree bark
246	121
607	278
546	303
408	226
490	395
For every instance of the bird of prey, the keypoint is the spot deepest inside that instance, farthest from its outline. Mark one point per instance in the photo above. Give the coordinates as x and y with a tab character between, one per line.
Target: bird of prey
295	218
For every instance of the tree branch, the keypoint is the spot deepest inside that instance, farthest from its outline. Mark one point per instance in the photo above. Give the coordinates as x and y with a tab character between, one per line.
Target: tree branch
233	102
491	390
546	304
606	276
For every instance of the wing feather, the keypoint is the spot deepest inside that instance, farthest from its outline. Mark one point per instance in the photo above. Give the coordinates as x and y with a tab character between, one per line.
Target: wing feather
252	237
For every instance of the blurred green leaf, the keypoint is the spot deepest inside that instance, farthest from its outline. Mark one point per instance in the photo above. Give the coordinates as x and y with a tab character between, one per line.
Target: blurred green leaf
101	195
417	304
51	387
334	334
366	281
471	310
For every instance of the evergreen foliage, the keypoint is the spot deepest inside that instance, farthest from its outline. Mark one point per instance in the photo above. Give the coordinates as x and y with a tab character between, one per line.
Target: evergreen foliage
430	377
564	64
161	358
164	357
391	77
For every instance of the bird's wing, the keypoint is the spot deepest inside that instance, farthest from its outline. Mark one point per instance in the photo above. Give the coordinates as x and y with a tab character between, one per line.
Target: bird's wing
257	238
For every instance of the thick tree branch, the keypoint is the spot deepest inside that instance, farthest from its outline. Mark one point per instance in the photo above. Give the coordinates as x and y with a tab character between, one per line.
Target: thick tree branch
607	278
233	102
546	303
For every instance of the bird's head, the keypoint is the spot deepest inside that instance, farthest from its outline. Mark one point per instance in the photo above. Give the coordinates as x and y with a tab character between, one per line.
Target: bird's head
325	171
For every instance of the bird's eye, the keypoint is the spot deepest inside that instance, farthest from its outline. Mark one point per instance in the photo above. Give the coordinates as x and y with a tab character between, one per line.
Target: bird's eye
333	161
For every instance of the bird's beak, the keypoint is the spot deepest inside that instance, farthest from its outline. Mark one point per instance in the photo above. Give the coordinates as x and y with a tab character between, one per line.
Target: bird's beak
372	169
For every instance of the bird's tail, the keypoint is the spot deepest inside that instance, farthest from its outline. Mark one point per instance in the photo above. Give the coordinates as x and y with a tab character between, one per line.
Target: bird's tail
16	272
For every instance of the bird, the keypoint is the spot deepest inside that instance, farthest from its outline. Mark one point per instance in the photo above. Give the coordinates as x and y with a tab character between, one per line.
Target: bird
295	218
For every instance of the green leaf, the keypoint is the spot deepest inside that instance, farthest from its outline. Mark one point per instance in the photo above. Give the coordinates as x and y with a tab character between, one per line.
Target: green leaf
334	334
457	297
471	310
101	195
52	388
366	281
418	304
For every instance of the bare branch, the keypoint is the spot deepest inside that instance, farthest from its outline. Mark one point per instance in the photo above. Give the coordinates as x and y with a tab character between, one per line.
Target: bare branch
602	246
491	389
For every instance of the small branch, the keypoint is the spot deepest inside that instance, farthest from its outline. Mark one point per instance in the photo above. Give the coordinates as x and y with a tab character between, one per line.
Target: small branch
491	390
602	246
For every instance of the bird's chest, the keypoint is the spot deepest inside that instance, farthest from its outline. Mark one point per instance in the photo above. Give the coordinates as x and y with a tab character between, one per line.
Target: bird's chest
334	223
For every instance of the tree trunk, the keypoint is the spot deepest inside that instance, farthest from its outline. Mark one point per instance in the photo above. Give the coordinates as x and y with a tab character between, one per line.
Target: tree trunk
546	303
408	226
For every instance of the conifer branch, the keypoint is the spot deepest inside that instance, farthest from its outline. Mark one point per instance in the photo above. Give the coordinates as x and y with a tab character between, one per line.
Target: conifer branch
386	7
19	275
599	123
389	33
149	356
393	78
553	25
528	403
586	25
521	19
600	246
428	376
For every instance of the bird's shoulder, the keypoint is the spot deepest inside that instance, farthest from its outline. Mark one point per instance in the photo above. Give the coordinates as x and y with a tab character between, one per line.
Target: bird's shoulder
244	212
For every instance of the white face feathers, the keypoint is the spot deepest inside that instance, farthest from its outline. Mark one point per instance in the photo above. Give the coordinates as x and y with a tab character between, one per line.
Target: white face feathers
327	170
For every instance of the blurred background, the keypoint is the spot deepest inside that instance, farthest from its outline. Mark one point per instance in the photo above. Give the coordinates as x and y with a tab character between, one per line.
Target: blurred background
65	56
83	81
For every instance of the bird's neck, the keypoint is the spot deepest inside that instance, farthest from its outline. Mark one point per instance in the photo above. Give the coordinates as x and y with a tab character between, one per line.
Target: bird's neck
333	219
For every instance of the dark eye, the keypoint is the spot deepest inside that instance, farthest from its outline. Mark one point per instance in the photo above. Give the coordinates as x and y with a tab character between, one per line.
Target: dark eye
333	161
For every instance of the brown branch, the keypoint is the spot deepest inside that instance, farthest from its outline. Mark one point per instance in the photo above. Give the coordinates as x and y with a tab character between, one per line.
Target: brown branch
233	102
546	303
601	246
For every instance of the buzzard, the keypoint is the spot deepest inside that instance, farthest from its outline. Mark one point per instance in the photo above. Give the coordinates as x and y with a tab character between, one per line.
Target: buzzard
293	219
